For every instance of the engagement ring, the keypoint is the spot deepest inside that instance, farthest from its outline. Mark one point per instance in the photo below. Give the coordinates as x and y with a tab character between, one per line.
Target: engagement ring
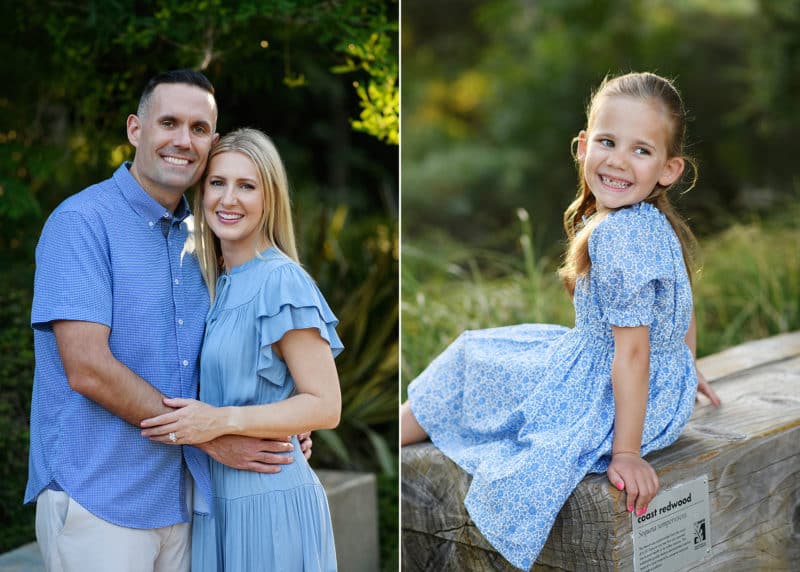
172	437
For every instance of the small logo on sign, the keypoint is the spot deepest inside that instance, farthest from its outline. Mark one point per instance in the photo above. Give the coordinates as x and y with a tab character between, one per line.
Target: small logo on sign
700	533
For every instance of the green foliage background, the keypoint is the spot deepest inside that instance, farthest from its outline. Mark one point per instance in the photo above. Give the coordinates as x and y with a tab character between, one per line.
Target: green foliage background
493	92
320	77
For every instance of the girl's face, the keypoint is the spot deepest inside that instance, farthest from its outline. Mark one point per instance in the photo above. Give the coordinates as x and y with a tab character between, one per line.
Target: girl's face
233	203
624	152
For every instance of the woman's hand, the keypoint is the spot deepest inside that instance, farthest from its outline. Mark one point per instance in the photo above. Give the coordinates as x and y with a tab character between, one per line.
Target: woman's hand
191	422
705	388
634	475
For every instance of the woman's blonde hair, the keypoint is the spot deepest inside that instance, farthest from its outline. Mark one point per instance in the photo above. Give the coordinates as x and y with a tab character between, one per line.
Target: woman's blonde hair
577	222
276	219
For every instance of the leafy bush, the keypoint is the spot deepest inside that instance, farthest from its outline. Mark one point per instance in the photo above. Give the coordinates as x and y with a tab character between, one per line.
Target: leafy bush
388	516
16	373
356	267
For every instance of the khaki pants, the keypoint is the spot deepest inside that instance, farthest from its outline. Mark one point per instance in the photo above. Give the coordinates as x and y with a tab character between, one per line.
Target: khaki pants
74	540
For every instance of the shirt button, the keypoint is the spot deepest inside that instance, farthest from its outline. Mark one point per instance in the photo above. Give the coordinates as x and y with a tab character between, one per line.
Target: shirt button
177	281
180	322
186	362
151	223
166	215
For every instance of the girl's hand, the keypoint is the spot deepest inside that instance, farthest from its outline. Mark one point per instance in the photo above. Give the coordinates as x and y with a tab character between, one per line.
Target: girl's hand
634	475
191	422
705	388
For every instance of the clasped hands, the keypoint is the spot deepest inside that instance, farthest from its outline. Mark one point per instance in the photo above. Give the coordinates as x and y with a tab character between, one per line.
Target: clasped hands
193	422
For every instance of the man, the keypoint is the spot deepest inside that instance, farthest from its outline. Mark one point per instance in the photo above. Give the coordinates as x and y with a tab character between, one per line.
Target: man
118	317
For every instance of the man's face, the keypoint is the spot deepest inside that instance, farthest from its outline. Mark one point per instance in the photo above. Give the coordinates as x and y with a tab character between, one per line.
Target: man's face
172	138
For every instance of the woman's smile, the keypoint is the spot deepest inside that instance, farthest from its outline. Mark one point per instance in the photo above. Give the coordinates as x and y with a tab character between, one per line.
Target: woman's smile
233	201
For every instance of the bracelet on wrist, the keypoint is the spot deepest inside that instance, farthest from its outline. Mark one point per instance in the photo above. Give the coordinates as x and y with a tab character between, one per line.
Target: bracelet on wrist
625	453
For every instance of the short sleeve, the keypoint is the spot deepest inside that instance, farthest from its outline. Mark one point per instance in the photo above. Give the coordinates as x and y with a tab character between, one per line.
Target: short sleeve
290	300
630	255
73	278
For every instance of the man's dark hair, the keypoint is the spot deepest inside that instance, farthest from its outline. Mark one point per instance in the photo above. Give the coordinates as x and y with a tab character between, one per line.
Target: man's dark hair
188	77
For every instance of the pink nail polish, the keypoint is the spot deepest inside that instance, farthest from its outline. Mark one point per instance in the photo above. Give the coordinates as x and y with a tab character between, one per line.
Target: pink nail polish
630	509
620	485
640	512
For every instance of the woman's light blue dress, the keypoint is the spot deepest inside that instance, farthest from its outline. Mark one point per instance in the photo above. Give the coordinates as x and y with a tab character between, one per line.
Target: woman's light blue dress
262	521
528	410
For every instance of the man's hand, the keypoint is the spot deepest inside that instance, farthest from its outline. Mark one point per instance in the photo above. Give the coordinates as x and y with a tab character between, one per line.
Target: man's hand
305	444
250	453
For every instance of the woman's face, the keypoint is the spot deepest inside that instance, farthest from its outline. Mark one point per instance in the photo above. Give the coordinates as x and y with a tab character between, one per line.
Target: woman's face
233	204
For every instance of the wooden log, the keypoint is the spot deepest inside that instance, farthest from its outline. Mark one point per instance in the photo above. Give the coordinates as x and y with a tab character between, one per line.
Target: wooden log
749	448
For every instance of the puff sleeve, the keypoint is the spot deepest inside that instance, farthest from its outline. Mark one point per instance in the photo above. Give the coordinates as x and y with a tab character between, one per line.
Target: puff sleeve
631	257
290	300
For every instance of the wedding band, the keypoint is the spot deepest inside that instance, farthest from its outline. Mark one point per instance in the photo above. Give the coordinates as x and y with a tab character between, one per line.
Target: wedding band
172	437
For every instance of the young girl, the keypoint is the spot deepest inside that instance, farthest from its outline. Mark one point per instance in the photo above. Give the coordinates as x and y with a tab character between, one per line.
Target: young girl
529	410
266	368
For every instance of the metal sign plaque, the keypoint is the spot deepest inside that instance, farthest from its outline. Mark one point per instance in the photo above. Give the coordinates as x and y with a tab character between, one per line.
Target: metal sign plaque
675	531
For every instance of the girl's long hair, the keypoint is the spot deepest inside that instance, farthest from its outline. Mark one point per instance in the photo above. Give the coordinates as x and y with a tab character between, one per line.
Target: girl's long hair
276	219
581	216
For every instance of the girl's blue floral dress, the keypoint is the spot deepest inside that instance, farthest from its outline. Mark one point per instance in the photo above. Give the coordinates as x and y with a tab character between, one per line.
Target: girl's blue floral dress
528	410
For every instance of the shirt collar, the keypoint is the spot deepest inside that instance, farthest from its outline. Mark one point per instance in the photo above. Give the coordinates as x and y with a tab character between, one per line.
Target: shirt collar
143	204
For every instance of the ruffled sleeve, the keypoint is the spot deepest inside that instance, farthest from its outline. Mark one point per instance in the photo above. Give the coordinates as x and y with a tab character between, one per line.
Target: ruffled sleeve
631	256
290	300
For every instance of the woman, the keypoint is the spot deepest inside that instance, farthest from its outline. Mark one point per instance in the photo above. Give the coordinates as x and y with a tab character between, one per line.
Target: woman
267	367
